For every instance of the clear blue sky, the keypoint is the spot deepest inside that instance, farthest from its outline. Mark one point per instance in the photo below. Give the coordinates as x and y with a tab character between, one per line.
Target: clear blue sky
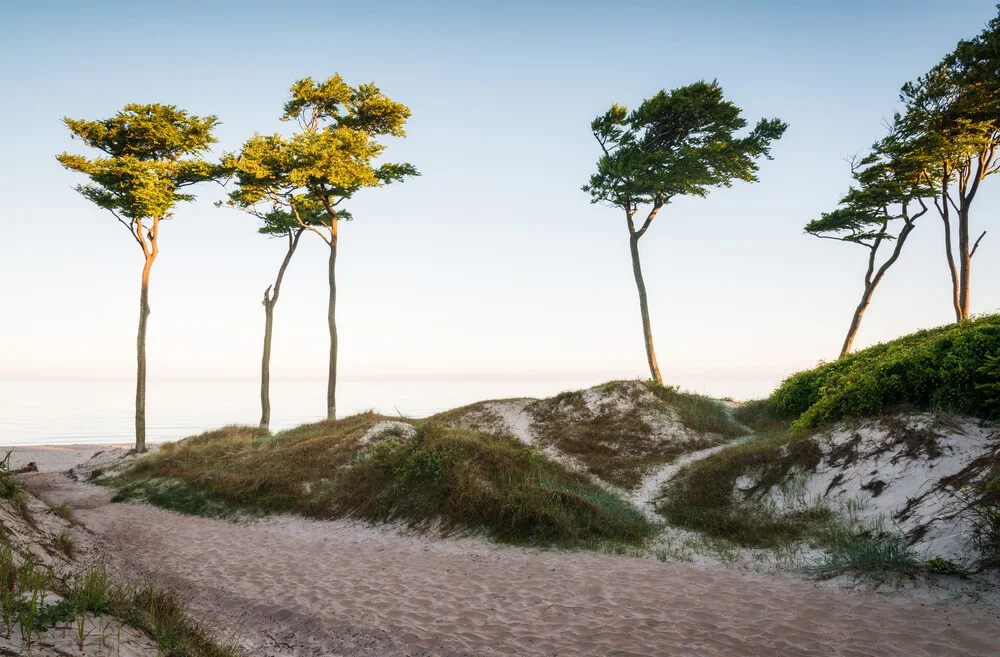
493	262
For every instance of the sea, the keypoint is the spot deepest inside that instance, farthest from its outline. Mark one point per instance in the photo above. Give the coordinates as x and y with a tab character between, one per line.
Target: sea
62	411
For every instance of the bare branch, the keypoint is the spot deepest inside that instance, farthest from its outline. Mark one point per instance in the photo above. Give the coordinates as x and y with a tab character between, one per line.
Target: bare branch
976	245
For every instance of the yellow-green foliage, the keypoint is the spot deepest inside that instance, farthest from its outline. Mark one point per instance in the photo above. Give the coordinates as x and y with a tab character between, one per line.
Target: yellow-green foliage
456	479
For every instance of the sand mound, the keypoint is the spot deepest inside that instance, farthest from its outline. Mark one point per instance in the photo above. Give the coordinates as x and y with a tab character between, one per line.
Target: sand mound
624	434
908	472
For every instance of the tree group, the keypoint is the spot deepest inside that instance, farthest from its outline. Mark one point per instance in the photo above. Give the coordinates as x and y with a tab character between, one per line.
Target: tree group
940	148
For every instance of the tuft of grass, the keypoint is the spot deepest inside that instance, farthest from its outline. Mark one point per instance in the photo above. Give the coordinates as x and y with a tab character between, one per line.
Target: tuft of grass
63	511
703	496
952	368
698	412
449	478
65	544
155	610
871	552
760	415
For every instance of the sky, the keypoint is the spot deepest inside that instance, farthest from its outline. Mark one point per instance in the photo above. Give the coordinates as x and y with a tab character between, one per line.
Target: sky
493	263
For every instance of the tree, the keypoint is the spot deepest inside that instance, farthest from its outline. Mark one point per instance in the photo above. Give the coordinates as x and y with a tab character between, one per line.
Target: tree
276	221
679	143
151	154
953	115
887	186
311	173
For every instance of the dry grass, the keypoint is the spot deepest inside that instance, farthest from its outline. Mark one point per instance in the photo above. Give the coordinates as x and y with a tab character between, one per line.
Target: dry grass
703	495
620	442
452	478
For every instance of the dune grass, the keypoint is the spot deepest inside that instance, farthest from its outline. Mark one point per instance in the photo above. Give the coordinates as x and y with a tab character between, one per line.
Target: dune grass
617	442
703	496
869	552
35	598
452	479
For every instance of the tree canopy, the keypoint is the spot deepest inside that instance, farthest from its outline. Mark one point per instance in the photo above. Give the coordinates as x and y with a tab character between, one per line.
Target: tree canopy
152	152
312	172
681	142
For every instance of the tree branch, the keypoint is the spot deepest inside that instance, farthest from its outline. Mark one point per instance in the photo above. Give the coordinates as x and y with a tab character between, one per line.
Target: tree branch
307	226
976	245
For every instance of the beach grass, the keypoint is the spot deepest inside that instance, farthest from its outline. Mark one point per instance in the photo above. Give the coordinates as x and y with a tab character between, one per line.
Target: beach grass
452	479
703	495
614	430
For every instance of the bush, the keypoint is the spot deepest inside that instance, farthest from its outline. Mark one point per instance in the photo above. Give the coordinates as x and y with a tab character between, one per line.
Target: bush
954	368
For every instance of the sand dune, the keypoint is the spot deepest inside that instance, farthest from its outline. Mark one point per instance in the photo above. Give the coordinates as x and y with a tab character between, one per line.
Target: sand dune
295	587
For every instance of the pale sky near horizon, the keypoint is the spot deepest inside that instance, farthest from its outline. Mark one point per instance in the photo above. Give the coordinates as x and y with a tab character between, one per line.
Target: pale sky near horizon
493	263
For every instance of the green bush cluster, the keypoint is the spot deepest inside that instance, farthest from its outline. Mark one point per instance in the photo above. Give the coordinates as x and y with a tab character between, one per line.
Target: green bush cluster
954	368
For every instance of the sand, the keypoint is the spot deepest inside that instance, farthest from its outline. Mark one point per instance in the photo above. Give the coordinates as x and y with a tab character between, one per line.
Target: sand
294	587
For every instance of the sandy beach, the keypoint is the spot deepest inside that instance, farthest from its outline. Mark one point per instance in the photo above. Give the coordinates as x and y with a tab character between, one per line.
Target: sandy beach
290	586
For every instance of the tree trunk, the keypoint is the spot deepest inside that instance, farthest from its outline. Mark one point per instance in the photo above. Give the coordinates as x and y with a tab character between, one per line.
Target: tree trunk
265	365
647	333
948	252
856	320
270	300
331	318
964	264
140	378
871	283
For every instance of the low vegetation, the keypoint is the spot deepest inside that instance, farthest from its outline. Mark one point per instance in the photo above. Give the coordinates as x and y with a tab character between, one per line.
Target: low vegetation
864	551
617	431
953	368
453	479
87	603
94	607
983	500
724	495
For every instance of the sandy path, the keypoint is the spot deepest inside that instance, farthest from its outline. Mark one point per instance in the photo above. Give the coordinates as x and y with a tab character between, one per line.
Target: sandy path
301	588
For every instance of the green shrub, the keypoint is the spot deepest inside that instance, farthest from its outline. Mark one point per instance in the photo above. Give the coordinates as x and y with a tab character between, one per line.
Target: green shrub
953	368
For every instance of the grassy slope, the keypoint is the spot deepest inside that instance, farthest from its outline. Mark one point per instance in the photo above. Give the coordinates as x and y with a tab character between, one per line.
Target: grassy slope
618	442
454	478
954	368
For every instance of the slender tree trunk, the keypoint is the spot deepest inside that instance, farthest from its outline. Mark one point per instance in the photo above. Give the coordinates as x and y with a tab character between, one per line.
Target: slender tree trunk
948	252
964	263
265	364
270	300
870	284
647	333
140	378
331	318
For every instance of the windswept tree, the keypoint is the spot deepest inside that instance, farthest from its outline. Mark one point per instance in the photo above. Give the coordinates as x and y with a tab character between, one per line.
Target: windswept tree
262	192
880	208
677	143
151	154
953	115
277	220
311	173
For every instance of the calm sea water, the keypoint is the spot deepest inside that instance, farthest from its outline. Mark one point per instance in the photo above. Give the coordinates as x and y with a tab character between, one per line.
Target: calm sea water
65	411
